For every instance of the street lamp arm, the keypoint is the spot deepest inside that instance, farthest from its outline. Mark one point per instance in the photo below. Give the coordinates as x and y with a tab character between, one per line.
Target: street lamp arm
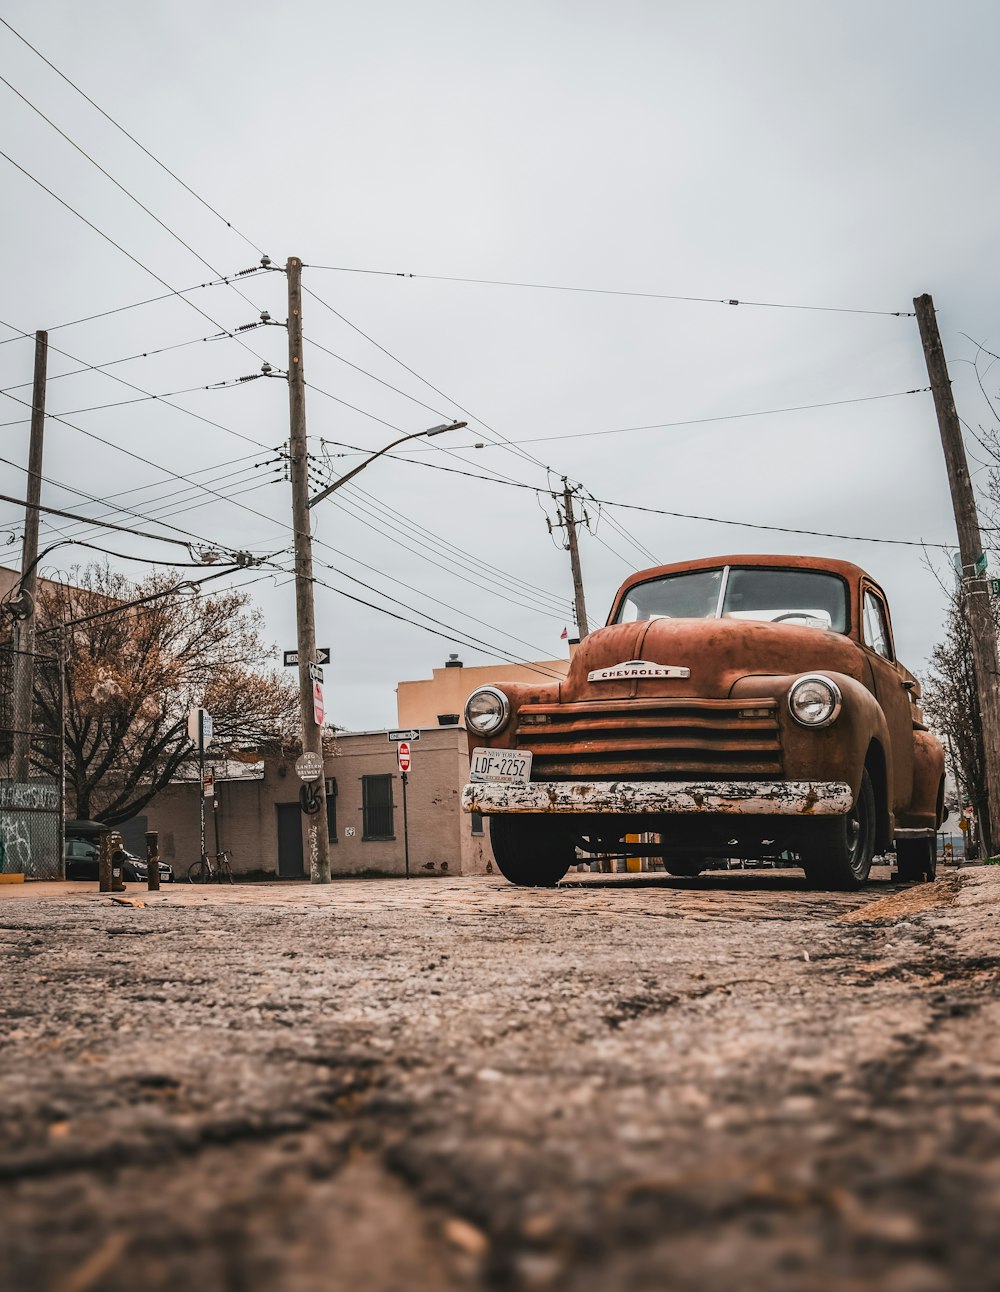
415	435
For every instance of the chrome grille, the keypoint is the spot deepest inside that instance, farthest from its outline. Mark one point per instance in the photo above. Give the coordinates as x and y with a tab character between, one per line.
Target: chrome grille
651	739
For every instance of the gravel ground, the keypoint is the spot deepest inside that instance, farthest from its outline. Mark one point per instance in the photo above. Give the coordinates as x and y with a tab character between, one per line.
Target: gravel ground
644	1084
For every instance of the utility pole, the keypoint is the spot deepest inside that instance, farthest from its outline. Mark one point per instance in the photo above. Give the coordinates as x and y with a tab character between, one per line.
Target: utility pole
24	660
973	585
317	850
569	520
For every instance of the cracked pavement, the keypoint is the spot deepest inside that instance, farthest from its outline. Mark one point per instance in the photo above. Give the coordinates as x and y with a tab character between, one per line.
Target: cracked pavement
625	1082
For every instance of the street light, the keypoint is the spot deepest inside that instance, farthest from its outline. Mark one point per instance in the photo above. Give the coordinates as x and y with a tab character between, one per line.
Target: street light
416	435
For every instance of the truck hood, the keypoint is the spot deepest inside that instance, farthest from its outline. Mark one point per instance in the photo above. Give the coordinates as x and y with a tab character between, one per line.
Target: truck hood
716	651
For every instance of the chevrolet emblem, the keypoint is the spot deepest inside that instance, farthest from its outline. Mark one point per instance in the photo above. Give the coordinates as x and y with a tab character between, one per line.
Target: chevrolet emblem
636	668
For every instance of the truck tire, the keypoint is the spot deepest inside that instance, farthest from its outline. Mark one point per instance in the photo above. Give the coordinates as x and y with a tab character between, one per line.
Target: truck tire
531	851
916	860
839	856
684	868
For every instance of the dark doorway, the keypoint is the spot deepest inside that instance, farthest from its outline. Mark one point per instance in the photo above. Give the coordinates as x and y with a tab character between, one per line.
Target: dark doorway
289	841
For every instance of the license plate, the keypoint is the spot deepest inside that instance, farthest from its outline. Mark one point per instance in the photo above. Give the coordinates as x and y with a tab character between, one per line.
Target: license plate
512	766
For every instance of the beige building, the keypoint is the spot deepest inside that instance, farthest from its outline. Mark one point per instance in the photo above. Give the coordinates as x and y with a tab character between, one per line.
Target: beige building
441	698
260	821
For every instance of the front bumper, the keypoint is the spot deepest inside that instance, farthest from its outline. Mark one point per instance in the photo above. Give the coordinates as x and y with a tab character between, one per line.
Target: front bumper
659	798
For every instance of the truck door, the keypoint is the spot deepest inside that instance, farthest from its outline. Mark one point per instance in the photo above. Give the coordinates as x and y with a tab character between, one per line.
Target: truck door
893	697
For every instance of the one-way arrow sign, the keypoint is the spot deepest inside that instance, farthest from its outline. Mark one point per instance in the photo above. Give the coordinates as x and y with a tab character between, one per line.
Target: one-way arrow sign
291	657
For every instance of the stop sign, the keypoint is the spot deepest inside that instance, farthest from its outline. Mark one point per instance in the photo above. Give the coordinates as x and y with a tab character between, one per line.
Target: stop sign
403	755
318	710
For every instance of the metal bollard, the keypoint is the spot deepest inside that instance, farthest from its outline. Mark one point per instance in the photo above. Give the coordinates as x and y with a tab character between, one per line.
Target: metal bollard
152	861
104	863
117	863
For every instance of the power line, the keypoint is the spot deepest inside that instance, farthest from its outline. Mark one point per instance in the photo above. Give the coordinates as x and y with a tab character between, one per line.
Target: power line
448	569
149	300
607	291
423	613
111	363
683	515
455	637
139	399
113	376
155	465
463	554
132	138
388	385
430	385
121	187
153	506
118	247
724	417
68	515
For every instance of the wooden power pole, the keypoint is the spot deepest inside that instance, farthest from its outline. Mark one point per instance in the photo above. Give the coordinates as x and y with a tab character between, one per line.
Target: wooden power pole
974	587
569	520
317	839
24	661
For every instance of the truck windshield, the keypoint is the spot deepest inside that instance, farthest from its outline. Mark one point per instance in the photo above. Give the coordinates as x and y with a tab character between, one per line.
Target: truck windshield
804	597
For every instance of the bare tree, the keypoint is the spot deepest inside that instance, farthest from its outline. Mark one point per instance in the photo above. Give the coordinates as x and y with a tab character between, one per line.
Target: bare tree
133	675
951	703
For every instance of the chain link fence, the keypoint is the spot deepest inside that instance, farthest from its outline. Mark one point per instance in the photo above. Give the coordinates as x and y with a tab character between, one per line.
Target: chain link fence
31	765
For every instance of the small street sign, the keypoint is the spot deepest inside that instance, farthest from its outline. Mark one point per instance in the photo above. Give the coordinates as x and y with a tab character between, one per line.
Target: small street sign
290	658
319	713
315	673
403	756
981	562
204	718
309	767
995	586
208	783
396	736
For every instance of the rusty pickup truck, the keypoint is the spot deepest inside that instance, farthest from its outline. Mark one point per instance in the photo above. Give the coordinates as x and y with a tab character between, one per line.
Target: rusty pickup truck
738	706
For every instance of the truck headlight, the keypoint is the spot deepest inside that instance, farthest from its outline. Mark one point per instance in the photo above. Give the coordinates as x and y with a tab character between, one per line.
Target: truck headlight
487	711
814	700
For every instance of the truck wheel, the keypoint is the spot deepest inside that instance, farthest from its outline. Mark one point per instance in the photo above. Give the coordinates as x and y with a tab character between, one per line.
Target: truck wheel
533	851
840	852
683	868
916	860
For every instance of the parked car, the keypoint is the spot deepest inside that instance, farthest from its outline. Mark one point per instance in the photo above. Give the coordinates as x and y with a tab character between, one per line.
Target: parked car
738	706
82	862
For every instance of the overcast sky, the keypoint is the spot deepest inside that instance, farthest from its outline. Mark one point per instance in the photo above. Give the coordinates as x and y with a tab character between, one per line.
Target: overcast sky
836	155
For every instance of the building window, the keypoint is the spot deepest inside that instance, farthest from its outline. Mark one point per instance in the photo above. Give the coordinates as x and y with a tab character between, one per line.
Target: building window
477	822
331	809
376	805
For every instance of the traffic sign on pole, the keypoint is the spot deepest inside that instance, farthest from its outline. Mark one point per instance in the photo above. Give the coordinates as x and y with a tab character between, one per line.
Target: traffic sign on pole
318	711
403	755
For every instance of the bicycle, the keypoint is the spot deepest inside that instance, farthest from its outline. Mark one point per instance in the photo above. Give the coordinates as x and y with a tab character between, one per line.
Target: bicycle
211	867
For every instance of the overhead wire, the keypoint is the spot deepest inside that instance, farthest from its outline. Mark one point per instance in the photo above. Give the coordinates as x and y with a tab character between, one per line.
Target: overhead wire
606	291
118	247
681	515
111	363
121	187
457	637
463	554
396	531
139	399
429	384
118	126
113	376
122	309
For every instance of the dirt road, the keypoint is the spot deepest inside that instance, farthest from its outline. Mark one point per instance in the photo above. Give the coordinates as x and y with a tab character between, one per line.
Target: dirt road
729	1082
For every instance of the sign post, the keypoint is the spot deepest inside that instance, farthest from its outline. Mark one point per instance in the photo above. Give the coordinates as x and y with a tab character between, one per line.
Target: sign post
403	758
200	731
